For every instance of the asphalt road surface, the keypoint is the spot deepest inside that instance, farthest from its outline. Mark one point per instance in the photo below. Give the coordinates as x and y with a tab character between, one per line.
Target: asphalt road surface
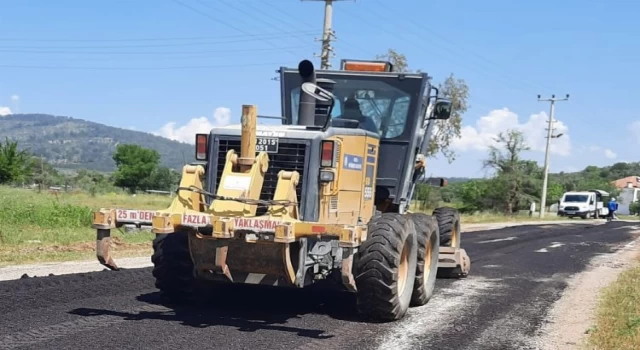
516	275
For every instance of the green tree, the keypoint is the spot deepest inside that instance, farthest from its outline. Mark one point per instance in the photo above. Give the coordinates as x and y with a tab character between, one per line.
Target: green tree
512	174
445	131
554	192
135	165
163	179
454	89
43	173
15	165
93	181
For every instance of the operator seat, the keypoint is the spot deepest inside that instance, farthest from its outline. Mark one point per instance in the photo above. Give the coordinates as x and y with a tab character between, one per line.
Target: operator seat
352	111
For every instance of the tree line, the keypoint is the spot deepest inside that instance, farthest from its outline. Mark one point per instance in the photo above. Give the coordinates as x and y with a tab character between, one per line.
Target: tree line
516	182
137	169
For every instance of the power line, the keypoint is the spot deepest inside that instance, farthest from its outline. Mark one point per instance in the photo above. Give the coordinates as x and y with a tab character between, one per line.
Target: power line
141	68
258	18
211	18
147	39
161	45
350	46
151	52
450	42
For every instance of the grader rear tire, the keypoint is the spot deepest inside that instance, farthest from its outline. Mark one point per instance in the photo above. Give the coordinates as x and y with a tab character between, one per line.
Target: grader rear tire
428	237
173	268
449	226
385	268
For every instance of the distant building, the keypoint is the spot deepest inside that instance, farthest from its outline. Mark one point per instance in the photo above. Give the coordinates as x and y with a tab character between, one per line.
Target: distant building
627	182
629	192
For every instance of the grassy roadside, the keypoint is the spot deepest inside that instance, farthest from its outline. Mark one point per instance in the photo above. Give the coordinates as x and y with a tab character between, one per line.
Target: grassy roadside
44	227
618	314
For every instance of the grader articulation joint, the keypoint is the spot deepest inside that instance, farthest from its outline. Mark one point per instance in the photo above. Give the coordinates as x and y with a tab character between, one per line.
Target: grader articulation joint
321	197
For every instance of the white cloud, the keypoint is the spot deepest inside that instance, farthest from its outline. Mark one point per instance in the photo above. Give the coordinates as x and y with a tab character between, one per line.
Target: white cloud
481	136
187	132
15	98
607	152
594	148
610	154
4	111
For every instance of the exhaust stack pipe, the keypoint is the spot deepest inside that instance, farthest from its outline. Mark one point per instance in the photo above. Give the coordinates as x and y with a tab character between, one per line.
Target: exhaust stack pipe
306	111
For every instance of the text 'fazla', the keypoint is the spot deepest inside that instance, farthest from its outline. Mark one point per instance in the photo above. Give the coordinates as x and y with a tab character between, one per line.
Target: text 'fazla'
196	220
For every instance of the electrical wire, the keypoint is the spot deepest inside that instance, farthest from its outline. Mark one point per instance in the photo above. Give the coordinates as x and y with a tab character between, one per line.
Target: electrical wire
211	18
160	45
151	52
140	68
147	39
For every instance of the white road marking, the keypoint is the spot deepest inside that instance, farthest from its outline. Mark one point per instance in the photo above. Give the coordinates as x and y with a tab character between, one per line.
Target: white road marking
553	245
499	240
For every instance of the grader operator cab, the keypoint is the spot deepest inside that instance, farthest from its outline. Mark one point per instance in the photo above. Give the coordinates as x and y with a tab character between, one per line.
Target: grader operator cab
323	197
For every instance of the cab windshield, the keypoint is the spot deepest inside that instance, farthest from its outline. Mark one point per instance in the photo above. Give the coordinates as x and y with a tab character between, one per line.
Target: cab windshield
383	105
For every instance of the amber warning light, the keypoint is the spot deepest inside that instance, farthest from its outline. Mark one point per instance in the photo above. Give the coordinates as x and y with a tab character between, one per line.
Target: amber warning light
366	66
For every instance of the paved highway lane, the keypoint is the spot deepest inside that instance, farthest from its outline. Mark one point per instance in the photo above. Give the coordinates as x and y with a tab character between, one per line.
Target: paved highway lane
516	275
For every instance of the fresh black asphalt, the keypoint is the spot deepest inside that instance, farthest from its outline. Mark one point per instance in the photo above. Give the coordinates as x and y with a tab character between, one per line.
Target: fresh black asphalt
516	275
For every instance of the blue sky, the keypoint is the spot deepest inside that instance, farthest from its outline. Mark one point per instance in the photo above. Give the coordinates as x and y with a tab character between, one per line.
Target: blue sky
163	67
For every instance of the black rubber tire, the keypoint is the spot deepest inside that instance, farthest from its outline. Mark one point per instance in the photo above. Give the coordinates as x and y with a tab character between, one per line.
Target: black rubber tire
376	268
448	223
426	231
173	268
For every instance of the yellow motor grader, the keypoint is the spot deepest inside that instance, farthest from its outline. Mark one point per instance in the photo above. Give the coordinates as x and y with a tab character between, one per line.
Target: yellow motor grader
324	196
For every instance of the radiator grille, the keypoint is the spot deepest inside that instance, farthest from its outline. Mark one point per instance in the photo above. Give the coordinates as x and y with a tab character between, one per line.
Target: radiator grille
291	156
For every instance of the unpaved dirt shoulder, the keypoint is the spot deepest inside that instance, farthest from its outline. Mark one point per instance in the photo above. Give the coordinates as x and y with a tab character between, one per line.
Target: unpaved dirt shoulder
573	314
69	267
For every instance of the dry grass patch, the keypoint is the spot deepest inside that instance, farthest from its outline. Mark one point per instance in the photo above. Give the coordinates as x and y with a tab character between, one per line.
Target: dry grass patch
618	315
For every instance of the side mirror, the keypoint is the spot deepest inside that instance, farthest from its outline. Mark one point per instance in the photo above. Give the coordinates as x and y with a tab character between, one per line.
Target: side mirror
437	182
317	92
441	110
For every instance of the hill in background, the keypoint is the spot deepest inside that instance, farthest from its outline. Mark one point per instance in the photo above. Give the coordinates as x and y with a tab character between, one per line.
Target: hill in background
69	143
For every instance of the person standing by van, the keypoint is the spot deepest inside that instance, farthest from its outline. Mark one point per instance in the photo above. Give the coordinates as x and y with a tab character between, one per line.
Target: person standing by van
612	206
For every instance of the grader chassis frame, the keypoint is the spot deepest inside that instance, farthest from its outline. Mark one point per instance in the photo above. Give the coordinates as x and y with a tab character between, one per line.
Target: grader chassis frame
225	241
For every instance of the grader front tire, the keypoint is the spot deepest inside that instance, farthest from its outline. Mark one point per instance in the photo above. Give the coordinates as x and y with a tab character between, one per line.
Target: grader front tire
428	237
385	268
173	268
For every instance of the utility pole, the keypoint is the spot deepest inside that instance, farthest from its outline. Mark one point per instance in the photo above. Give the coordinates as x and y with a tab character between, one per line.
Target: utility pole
328	34
553	99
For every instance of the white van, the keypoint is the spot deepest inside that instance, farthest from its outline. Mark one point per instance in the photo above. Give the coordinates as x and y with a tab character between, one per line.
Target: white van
585	204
